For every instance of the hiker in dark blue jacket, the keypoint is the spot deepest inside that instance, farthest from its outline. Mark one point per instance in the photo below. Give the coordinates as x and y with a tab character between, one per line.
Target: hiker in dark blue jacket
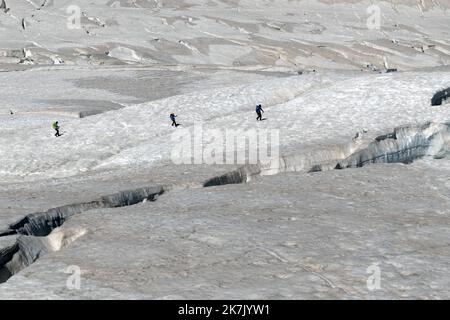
172	117
259	109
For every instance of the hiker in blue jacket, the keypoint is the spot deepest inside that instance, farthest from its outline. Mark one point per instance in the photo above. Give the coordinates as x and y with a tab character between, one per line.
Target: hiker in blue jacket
259	109
172	117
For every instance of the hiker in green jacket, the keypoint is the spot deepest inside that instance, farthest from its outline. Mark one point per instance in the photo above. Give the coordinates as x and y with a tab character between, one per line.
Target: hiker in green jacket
56	127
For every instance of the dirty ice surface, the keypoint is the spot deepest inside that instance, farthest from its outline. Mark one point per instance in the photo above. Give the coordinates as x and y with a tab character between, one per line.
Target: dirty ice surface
319	73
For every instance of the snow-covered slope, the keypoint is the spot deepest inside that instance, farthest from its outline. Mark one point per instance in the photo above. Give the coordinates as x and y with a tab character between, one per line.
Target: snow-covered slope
310	111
